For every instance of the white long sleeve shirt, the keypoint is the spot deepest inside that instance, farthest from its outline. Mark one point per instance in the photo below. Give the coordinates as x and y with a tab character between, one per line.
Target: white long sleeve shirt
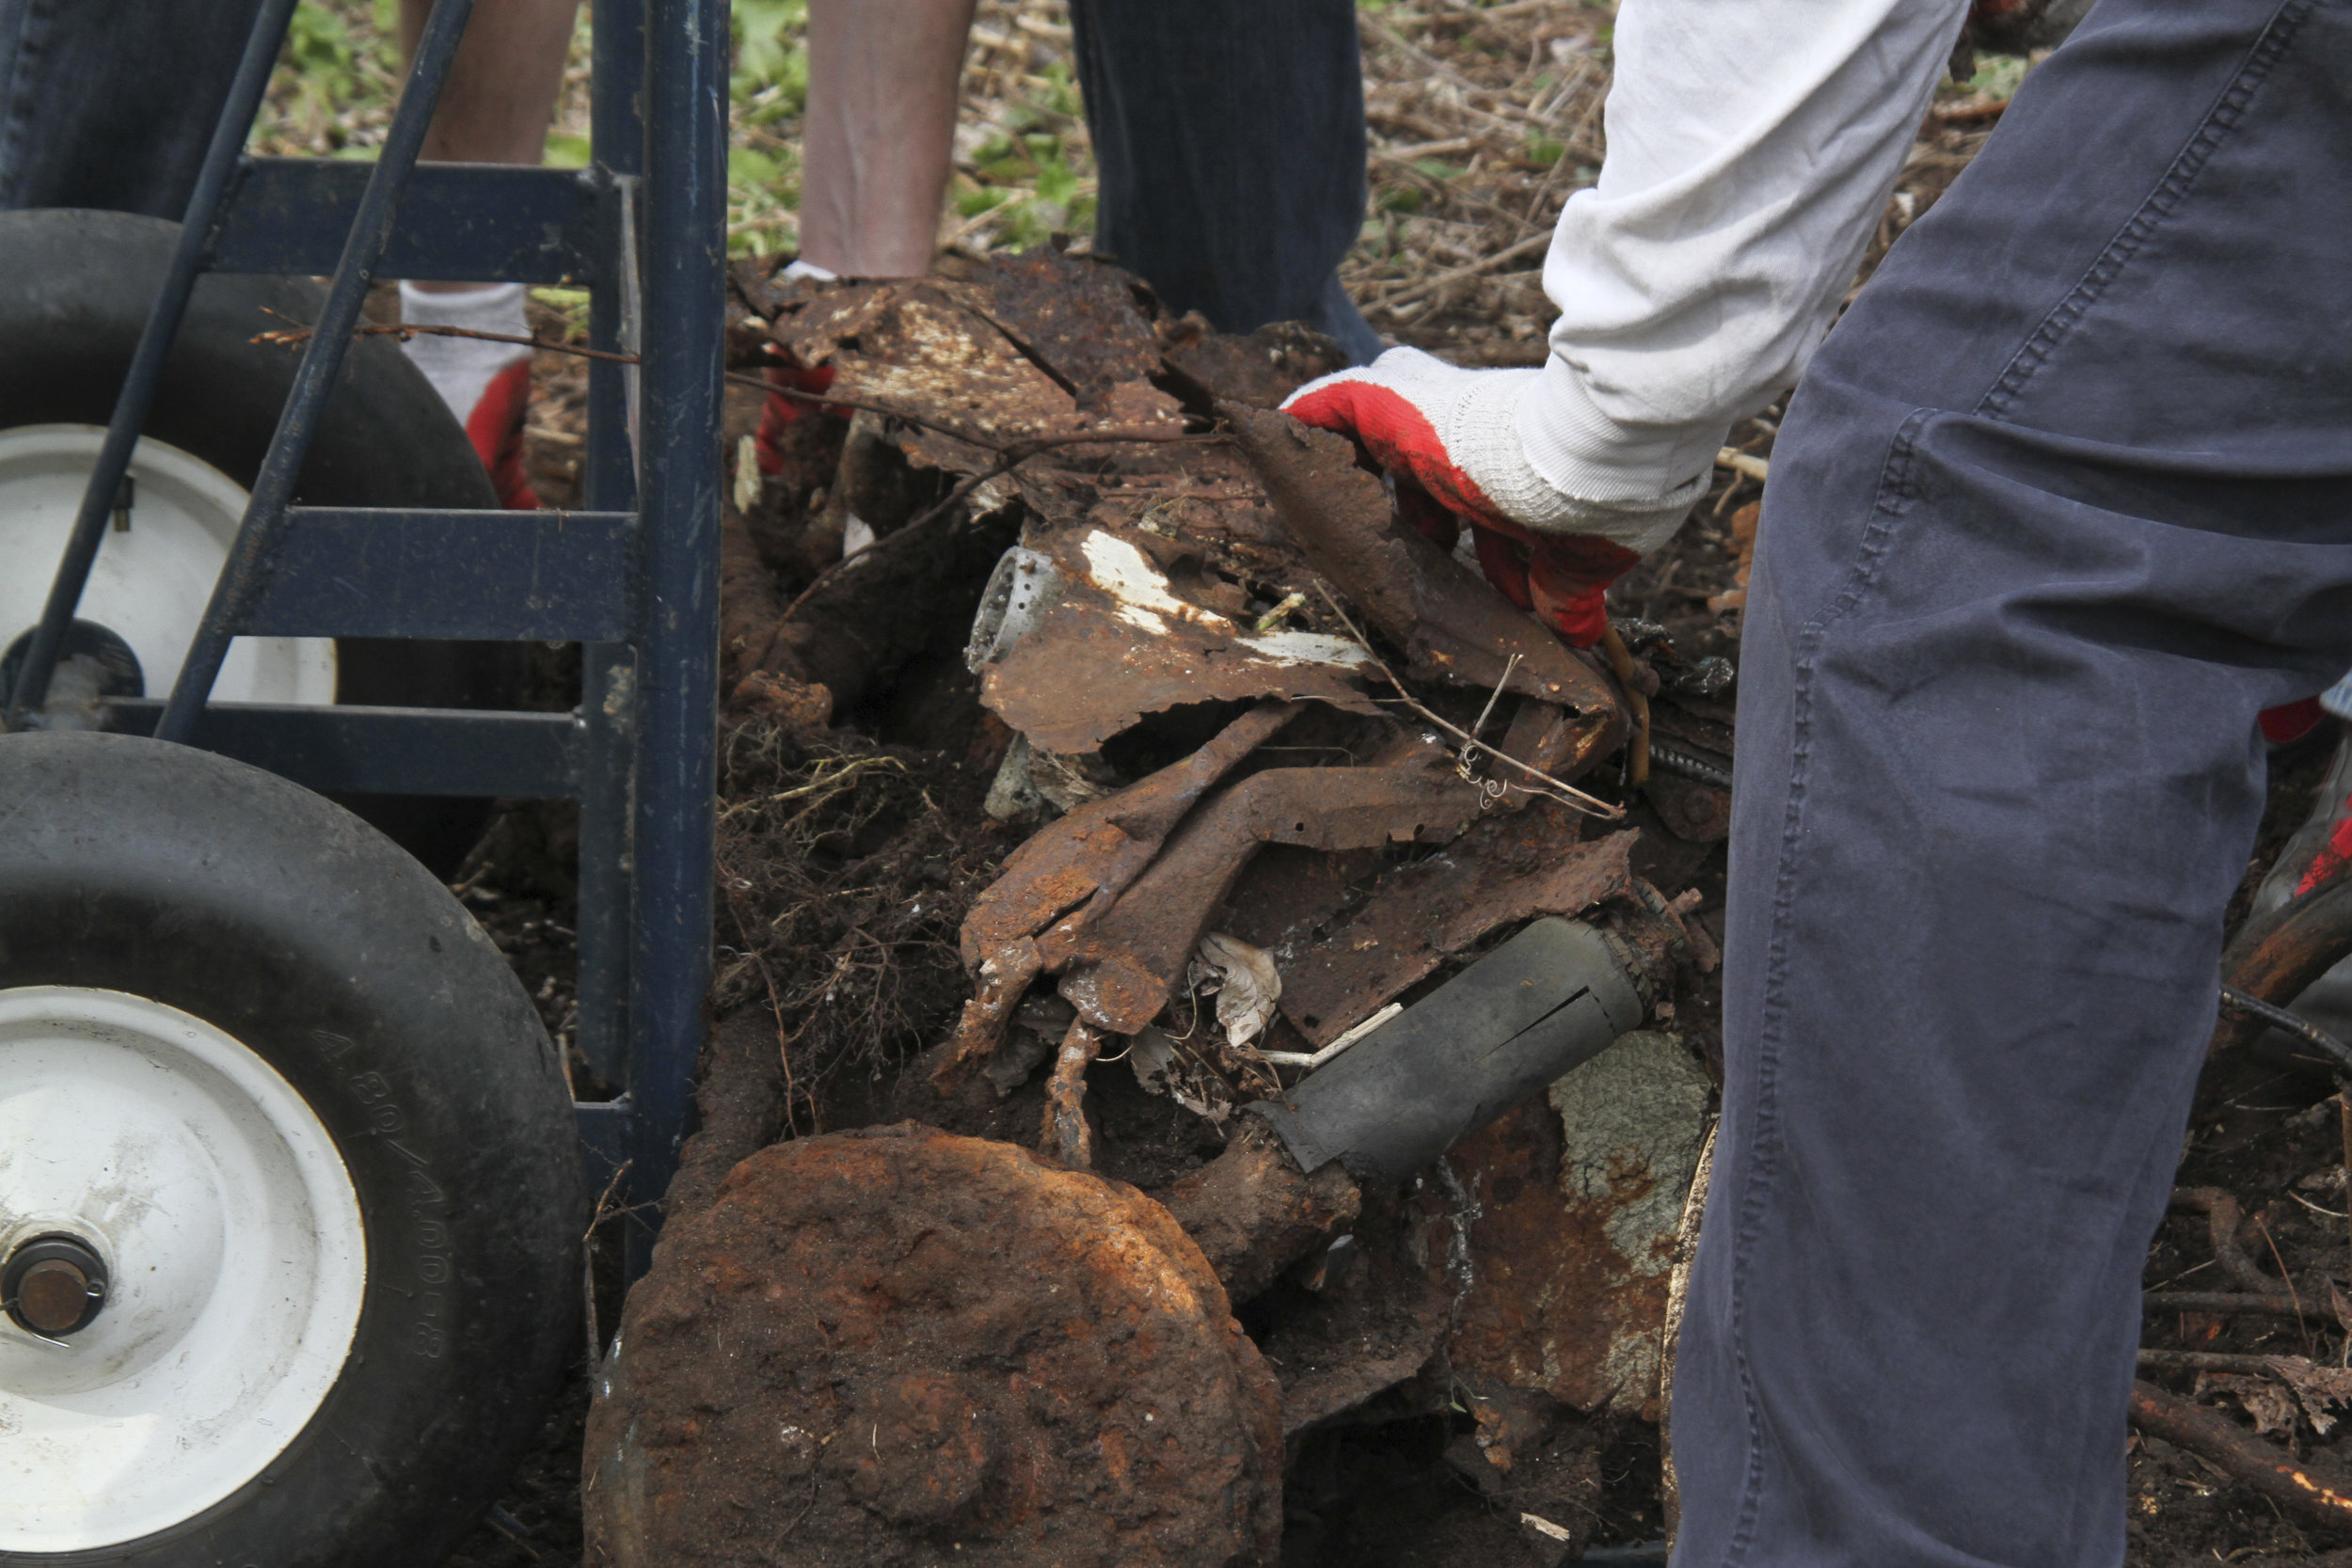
1753	145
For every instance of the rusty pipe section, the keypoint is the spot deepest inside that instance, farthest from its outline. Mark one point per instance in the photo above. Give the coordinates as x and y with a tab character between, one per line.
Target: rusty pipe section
1547	1000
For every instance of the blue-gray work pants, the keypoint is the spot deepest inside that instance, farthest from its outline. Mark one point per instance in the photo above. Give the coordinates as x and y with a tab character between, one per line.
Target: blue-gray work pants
2063	501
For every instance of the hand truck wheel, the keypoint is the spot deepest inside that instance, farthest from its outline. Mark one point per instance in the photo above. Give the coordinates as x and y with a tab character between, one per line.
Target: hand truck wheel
75	287
290	1200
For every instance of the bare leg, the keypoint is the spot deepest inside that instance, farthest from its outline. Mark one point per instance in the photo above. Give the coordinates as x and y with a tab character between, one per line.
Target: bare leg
494	109
877	136
501	94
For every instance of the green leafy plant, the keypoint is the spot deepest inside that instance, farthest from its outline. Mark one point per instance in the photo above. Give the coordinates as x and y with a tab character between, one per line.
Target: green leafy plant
1999	75
772	52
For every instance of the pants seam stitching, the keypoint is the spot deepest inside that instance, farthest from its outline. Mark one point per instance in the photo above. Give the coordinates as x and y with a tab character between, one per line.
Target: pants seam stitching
1897	490
2228	113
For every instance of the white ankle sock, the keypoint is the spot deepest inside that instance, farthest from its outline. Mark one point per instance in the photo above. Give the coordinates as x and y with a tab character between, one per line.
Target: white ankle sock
461	367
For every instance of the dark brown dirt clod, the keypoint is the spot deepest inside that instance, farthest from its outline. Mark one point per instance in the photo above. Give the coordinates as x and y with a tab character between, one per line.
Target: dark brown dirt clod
1254	1211
897	1346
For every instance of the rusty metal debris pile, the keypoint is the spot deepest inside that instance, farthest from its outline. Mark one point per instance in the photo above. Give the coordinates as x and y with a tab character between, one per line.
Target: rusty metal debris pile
1310	971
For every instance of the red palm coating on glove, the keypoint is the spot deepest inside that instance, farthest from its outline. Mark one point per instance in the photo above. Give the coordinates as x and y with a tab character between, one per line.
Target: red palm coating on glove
1562	577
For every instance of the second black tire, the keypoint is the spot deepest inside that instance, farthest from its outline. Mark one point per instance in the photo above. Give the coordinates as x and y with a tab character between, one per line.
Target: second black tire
75	287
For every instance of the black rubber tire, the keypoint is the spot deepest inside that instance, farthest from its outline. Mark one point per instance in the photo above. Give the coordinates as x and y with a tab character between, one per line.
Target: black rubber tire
75	287
135	865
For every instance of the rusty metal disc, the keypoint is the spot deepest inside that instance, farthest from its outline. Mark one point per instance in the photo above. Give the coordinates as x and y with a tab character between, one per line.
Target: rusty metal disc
900	1346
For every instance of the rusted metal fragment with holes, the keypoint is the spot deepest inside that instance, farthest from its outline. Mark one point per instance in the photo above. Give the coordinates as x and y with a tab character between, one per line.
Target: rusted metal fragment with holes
1070	871
1075	318
936	352
1125	965
1120	643
1417	916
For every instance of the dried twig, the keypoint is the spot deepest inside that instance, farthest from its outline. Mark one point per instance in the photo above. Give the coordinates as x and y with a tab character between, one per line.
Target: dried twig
1490	13
1970	114
1567	794
1756	469
297	335
588	1267
1309	1060
2223	1217
2205	1361
1413	291
2312	1487
2221	1302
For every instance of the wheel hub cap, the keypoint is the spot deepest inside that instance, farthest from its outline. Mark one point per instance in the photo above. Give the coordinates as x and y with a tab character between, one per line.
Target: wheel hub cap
156	566
182	1261
54	1286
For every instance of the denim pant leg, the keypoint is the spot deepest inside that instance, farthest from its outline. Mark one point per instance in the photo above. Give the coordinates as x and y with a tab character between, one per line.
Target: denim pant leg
1230	137
110	103
2060	506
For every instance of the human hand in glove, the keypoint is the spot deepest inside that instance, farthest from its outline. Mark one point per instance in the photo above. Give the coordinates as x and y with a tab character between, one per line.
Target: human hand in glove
1452	437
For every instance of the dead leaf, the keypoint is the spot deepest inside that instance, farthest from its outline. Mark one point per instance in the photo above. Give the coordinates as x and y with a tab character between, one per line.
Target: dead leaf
1245	1001
2265	1402
2342	1309
2316	1386
1154	1059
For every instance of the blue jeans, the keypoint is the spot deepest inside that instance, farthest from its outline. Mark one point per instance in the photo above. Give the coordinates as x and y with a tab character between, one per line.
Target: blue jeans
1230	137
2060	505
111	104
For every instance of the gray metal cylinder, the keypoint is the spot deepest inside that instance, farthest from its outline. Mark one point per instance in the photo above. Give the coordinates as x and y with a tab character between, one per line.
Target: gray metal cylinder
1549	999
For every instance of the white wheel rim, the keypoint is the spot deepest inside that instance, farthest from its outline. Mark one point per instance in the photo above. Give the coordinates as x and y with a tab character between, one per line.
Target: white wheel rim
237	1251
148	584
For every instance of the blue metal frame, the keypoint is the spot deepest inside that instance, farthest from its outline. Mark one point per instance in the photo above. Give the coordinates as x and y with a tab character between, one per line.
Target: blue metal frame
634	580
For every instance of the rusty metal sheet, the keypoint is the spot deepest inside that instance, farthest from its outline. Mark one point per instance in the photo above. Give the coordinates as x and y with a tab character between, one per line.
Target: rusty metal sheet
1456	625
1209	499
912	349
932	358
1120	644
1506	868
1078	318
1260	369
1121	969
1069	870
1577	1201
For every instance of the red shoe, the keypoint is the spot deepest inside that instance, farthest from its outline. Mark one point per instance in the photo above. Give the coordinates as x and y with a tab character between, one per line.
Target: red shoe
784	410
486	383
496	428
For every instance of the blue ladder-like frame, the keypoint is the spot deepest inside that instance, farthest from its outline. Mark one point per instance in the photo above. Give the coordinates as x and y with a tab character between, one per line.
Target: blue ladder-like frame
634	578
